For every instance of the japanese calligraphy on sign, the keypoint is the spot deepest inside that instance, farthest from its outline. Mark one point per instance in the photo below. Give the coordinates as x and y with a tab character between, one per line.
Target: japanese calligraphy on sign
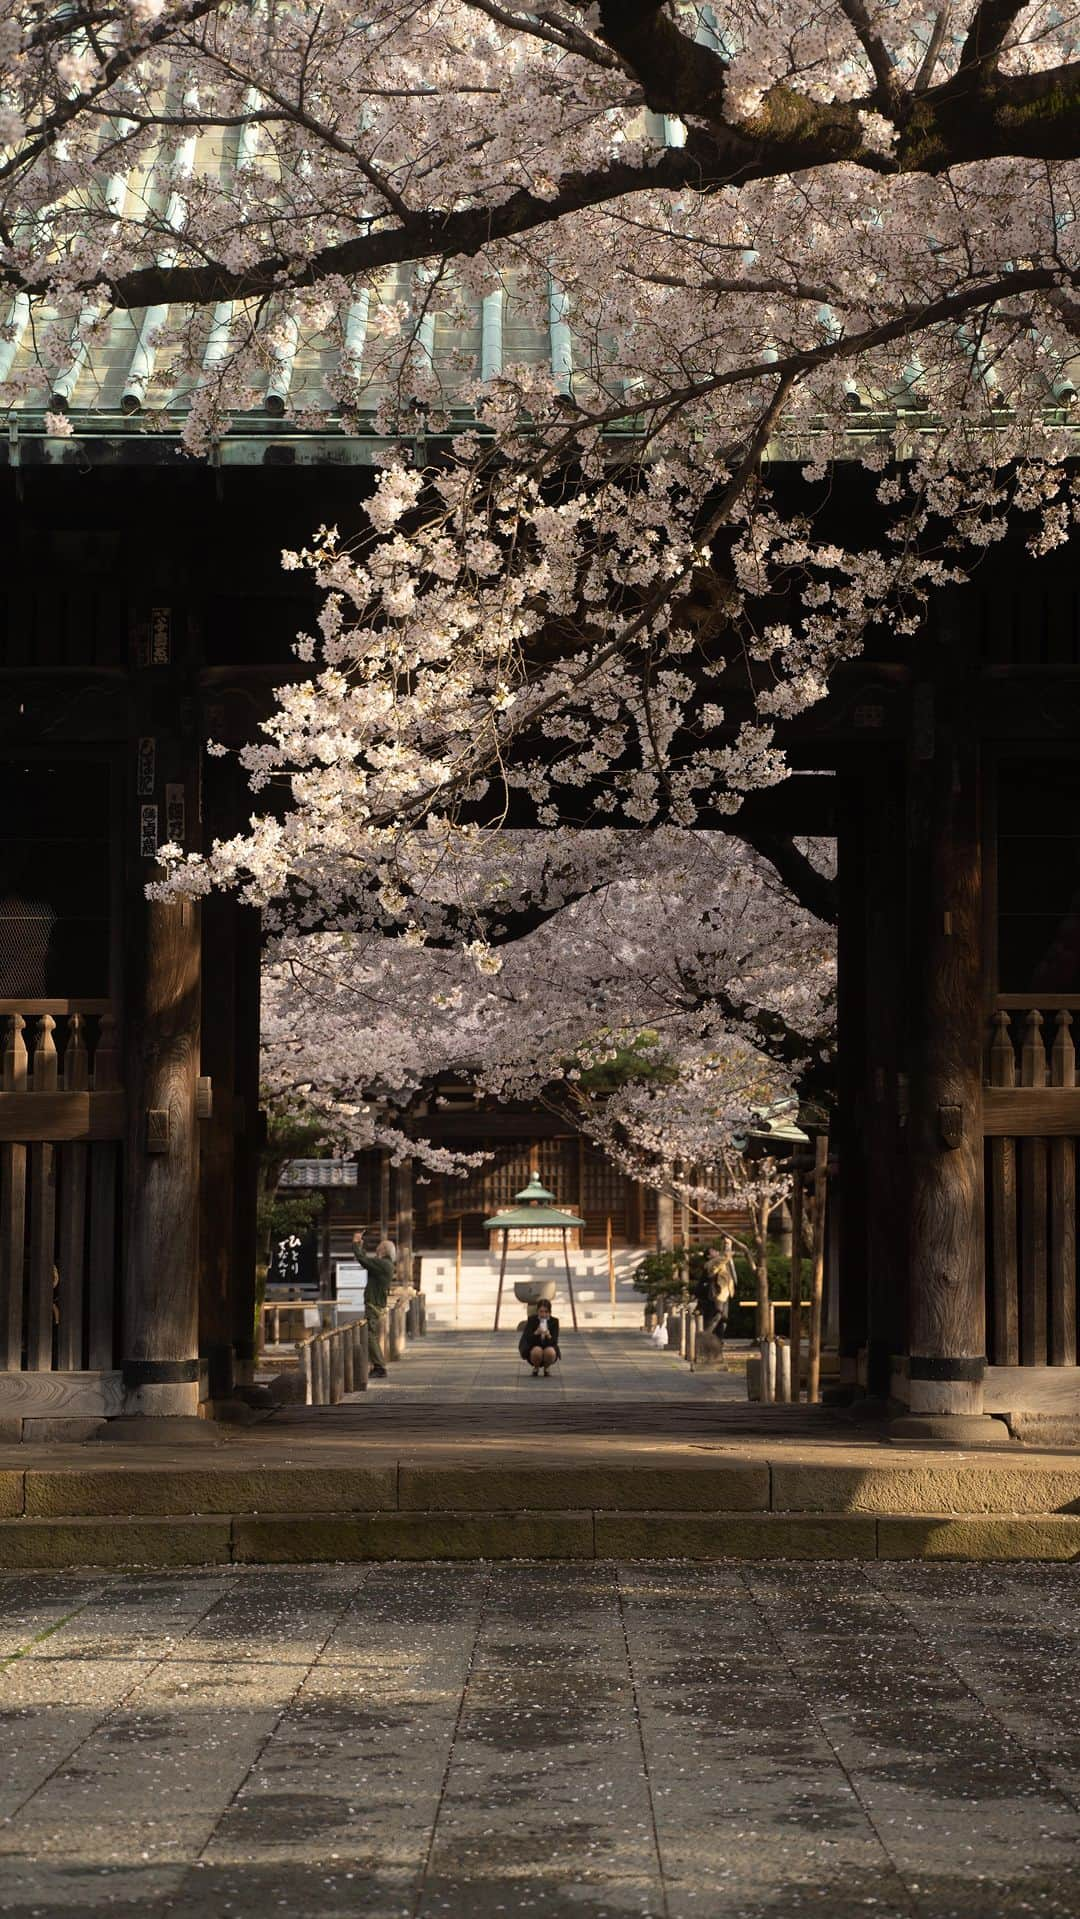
147	768
160	635
174	812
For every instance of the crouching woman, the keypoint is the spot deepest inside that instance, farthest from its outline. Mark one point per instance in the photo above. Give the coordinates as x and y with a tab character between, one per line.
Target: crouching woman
539	1343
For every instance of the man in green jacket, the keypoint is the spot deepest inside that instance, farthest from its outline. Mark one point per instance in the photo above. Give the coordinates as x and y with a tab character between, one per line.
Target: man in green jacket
380	1278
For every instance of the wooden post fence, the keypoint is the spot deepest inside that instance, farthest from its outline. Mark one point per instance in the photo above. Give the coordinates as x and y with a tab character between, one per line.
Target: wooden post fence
817	1276
795	1325
334	1363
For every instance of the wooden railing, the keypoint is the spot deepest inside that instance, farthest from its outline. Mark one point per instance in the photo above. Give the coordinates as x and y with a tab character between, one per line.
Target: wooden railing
1031	1121
61	1121
335	1362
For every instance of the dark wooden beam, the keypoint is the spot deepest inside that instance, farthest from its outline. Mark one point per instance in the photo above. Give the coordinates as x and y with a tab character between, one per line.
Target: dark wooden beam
62	1116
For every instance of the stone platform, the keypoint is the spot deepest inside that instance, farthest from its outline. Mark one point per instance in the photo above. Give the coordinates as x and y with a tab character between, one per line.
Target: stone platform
462	1455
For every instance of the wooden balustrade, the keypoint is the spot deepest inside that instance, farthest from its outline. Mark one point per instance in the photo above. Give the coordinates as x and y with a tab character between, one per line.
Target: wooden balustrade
61	1123
1031	1119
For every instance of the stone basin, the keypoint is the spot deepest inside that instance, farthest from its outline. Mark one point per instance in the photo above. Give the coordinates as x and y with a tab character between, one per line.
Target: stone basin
529	1289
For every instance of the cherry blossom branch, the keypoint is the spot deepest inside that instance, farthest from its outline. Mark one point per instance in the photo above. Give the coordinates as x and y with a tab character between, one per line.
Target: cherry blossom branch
42	136
876	51
986	37
811	887
542	24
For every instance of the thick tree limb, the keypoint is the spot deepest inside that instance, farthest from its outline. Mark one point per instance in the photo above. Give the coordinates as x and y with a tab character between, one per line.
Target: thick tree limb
876	51
679	75
811	1056
812	888
963	121
933	49
987	35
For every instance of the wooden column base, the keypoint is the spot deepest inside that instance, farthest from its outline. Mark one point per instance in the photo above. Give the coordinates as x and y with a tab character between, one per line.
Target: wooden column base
163	1402
161	1389
945	1396
938	1385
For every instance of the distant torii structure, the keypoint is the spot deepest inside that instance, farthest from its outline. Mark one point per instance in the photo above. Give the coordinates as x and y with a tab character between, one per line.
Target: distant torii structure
535	1207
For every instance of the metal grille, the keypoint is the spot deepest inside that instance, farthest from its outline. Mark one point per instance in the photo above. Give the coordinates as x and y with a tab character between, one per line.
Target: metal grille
26	928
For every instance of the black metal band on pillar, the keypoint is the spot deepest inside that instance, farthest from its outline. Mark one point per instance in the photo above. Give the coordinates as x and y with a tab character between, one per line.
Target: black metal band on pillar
922	1366
160	1372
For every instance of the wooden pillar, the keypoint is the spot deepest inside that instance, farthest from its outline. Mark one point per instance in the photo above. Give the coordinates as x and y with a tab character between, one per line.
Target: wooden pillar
384	1193
13	1079
405	1222
795	1317
947	1329
684	1220
1063	1209
849	1124
217	1158
161	1255
665	1223
246	1142
161	1030
637	1229
885	1084
326	1264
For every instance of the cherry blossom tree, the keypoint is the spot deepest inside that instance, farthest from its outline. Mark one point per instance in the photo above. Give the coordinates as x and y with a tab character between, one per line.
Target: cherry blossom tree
755	240
693	970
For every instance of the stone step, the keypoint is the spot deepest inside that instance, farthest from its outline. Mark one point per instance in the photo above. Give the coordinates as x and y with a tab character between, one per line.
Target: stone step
397	1508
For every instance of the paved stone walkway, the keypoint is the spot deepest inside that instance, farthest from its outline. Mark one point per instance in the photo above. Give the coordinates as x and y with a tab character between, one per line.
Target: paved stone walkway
598	1363
587	1741
609	1379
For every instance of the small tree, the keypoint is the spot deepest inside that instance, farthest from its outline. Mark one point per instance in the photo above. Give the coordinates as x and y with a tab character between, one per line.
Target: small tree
762	1186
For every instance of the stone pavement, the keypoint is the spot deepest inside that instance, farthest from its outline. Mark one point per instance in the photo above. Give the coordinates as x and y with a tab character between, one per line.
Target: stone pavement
609	1379
598	1364
562	1741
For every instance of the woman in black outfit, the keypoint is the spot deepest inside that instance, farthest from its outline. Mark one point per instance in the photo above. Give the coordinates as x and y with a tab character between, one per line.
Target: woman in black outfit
539	1343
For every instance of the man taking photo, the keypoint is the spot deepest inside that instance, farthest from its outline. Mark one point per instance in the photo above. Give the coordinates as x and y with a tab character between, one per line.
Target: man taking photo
380	1278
